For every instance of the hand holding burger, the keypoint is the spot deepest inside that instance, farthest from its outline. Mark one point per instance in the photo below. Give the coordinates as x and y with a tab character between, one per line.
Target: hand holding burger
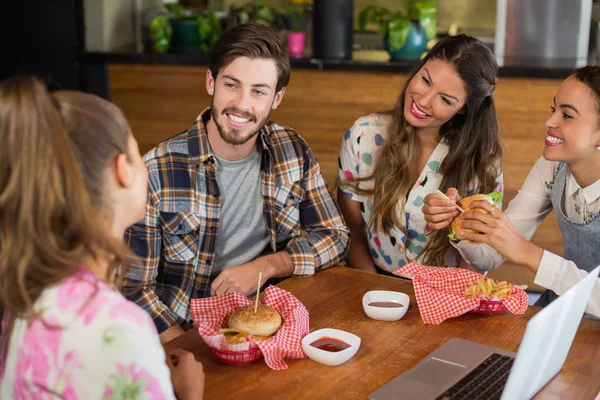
483	222
440	212
472	205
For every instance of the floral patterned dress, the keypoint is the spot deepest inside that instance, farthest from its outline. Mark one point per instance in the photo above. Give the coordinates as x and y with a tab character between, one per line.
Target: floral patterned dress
358	155
91	344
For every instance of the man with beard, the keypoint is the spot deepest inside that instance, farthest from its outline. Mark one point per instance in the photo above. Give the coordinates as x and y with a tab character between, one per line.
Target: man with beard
235	195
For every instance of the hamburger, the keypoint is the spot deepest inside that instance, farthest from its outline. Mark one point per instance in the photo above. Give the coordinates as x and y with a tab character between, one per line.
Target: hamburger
492	198
262	324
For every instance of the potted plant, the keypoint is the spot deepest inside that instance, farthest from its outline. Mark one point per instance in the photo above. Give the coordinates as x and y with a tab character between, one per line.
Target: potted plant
424	12
254	11
405	35
297	21
182	31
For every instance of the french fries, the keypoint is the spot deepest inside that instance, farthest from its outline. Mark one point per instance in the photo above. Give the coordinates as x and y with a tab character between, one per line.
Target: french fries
490	288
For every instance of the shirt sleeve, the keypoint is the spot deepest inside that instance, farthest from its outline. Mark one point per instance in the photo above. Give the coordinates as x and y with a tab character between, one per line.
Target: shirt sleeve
526	211
558	275
145	239
327	238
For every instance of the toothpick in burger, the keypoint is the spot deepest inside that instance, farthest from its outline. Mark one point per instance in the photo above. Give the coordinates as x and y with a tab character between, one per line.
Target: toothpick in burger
262	324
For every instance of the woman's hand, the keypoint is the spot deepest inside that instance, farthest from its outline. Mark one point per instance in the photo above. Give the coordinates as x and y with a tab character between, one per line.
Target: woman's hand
187	375
440	212
496	230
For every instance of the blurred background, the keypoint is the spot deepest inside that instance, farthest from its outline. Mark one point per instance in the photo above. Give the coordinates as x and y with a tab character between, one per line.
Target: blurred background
349	58
63	38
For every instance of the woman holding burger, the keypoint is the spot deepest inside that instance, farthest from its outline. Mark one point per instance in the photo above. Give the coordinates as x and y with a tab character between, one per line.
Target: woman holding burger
442	133
566	179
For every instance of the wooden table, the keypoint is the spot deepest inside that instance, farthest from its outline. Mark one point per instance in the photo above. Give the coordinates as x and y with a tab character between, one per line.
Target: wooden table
333	299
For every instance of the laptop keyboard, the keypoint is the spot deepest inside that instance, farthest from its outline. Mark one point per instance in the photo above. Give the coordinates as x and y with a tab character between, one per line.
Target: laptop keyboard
484	382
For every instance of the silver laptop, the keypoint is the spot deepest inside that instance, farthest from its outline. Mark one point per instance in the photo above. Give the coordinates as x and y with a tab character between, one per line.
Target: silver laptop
463	369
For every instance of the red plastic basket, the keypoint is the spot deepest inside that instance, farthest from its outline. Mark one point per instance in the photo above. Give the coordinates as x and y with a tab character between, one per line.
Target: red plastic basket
489	307
237	357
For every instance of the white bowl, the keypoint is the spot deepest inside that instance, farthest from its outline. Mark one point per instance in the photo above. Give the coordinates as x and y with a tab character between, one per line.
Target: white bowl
383	313
329	357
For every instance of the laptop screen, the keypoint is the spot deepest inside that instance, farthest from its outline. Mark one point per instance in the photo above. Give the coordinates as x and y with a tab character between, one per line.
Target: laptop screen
547	340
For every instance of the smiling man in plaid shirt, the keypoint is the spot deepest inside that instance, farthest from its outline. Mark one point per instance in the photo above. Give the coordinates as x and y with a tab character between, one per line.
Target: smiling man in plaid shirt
234	195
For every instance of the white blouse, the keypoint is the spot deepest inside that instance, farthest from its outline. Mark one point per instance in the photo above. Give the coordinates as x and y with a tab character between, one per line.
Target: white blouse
526	211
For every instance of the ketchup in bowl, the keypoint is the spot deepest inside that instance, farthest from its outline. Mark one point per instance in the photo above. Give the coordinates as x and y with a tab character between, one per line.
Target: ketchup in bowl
330	344
385	304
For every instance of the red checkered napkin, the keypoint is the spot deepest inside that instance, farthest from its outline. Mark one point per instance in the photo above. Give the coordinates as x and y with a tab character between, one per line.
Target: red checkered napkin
210	314
440	292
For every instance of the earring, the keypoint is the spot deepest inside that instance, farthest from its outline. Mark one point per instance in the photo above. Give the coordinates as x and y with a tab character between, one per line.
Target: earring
598	148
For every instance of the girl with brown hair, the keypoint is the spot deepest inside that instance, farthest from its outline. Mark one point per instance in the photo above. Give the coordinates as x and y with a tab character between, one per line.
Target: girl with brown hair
442	133
71	180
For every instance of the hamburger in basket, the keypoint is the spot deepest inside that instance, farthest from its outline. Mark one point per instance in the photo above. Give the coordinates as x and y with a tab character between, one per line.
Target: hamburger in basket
243	322
237	335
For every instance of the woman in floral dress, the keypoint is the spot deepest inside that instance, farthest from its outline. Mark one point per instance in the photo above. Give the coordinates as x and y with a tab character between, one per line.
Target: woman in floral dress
71	180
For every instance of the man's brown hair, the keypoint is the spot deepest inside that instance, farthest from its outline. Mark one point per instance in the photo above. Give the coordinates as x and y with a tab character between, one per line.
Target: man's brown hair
253	41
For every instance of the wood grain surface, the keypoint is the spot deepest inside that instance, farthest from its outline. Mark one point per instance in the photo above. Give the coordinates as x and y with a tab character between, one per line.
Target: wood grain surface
333	298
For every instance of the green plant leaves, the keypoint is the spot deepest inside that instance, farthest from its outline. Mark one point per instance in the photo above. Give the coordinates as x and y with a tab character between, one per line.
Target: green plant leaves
393	26
380	16
424	12
398	29
176	9
160	31
244	17
430	27
209	30
265	15
253	11
396	26
419	8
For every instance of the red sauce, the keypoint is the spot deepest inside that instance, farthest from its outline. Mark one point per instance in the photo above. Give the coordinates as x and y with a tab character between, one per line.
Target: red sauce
385	304
330	344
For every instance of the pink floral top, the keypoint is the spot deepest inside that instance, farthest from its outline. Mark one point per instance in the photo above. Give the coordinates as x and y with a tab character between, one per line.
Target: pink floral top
91	344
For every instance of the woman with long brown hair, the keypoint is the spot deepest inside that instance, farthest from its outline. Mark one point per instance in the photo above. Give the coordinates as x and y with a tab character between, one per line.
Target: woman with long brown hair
71	180
442	133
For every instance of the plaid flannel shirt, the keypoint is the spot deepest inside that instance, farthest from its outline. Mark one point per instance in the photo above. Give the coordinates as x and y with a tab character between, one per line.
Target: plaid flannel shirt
176	240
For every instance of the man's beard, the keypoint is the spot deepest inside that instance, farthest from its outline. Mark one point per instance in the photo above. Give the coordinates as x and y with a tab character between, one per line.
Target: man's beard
232	136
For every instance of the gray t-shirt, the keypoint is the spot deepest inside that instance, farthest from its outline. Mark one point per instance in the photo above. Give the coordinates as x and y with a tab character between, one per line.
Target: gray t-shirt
243	234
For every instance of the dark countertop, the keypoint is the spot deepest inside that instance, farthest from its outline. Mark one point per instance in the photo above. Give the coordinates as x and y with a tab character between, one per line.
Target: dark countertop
129	57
